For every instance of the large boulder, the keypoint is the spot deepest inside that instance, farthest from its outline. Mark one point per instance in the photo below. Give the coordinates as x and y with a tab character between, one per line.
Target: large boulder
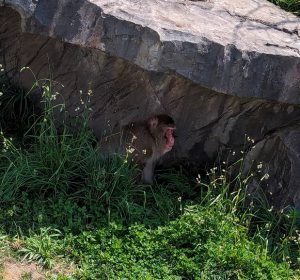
222	69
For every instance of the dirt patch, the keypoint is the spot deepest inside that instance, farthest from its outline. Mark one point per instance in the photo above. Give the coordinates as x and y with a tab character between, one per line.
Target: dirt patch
13	270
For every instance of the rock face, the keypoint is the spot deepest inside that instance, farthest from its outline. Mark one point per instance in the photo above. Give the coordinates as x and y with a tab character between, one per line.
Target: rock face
220	68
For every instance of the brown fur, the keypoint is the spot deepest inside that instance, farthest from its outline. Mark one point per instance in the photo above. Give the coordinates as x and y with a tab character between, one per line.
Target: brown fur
144	142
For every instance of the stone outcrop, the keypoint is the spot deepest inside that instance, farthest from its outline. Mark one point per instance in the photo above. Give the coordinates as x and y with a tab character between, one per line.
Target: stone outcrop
221	68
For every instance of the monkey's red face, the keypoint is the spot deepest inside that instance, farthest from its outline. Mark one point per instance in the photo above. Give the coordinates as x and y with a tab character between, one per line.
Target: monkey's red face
169	139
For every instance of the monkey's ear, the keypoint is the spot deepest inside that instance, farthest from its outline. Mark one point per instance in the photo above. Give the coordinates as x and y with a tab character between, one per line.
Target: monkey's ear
152	123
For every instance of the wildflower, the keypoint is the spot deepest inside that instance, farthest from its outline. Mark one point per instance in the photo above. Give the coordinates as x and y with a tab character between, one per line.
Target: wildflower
10	212
265	177
250	140
130	150
133	138
1	93
268	226
259	166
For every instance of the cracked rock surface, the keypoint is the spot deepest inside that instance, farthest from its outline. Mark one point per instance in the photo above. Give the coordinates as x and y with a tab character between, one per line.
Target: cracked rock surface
221	68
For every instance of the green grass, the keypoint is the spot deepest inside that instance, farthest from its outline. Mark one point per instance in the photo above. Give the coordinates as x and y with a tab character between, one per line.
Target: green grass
292	6
62	202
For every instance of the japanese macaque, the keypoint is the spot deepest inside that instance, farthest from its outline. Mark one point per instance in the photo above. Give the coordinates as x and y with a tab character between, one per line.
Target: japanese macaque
144	142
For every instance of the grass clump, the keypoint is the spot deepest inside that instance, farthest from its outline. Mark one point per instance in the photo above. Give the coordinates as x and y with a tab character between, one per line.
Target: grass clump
292	6
65	204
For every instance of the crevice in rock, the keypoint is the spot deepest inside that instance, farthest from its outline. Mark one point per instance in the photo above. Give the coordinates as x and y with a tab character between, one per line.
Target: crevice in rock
269	25
283	47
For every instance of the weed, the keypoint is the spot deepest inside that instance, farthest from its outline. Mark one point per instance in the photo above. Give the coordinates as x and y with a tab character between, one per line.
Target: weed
26	276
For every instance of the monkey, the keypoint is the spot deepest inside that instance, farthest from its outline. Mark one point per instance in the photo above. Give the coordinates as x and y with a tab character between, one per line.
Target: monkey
144	142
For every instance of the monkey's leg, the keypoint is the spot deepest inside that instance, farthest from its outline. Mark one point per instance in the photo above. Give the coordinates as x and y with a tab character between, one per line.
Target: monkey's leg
148	171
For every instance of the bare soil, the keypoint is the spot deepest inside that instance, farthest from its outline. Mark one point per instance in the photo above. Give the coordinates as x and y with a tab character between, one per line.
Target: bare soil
14	270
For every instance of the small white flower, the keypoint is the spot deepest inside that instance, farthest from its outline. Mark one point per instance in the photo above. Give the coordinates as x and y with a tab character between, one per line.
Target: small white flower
265	177
130	150
133	138
259	166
